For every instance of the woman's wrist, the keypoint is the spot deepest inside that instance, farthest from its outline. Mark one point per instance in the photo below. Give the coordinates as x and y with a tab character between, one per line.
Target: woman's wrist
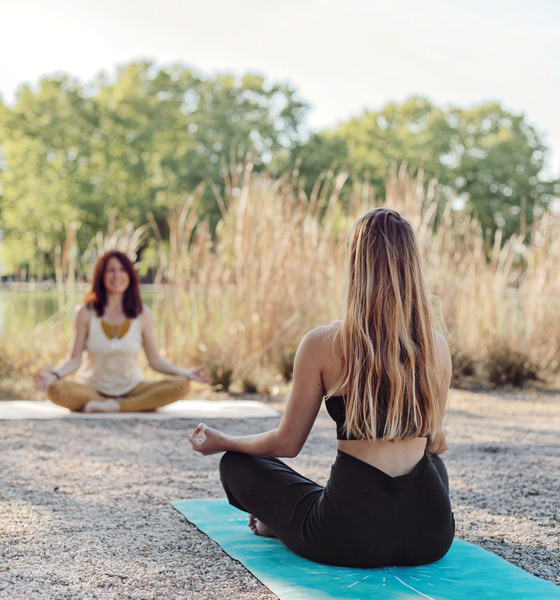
55	373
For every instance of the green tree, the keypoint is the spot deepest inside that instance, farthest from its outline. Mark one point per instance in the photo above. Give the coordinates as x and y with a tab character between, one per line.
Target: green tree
44	165
487	160
161	132
414	131
77	153
495	165
322	151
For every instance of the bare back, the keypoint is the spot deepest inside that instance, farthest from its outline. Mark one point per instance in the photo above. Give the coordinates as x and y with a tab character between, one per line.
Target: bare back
392	457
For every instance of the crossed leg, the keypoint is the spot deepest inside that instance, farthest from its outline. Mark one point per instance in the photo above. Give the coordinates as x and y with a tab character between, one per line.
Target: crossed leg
74	395
276	497
147	395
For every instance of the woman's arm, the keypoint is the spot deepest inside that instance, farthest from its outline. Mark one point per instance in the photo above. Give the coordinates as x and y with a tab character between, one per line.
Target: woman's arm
438	443
301	410
80	328
156	362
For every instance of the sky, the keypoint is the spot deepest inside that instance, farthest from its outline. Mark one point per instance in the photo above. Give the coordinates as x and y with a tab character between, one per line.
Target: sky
342	56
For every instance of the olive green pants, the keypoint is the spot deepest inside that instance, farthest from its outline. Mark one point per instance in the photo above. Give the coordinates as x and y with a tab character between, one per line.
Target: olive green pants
147	395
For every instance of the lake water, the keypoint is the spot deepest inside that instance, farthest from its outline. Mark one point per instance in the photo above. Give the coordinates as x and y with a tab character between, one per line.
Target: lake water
22	310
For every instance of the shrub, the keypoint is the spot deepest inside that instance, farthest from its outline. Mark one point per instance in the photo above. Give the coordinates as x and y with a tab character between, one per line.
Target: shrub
220	366
221	376
463	365
285	363
249	385
507	365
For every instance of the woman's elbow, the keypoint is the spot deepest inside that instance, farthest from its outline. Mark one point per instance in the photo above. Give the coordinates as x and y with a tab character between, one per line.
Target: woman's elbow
292	453
154	363
288	449
75	362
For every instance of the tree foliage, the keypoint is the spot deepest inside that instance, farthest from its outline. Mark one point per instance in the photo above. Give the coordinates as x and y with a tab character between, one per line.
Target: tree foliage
486	158
136	145
72	155
494	161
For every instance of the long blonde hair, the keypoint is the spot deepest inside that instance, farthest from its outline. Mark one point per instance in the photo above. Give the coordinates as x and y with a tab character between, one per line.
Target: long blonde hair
386	334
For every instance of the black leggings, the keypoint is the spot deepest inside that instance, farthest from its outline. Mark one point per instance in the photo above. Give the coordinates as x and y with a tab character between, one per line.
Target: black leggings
361	518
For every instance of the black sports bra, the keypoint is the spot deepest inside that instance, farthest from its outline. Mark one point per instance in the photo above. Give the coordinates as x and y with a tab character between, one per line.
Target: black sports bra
336	407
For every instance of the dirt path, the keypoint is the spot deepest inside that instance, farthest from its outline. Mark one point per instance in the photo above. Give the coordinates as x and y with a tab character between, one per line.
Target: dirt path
85	505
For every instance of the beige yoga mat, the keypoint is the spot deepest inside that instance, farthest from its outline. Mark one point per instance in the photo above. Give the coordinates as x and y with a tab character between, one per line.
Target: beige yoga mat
183	409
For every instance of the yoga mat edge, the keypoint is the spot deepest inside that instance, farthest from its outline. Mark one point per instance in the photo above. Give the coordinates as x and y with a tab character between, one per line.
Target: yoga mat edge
467	571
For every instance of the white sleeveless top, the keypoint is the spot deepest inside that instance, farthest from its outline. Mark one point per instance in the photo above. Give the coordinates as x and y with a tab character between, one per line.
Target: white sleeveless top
111	366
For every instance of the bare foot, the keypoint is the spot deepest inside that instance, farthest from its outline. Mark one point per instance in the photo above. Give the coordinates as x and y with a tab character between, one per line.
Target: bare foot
102	406
259	528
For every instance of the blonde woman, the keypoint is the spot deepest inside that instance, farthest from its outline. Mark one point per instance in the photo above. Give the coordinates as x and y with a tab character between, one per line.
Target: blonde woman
383	372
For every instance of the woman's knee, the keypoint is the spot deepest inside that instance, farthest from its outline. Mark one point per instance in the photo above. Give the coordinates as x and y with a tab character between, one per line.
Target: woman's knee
230	461
236	467
67	394
233	475
56	390
177	384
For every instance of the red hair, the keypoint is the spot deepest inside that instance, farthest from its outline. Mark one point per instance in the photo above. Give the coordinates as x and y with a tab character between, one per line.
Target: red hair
96	298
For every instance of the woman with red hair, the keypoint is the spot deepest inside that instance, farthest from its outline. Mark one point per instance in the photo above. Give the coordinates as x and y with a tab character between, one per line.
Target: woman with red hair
112	326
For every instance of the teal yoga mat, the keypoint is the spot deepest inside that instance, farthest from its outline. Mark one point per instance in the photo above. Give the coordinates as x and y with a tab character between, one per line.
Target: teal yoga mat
467	571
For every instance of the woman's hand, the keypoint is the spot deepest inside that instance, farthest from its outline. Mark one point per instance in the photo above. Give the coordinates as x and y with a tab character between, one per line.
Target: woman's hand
437	444
206	440
199	374
43	380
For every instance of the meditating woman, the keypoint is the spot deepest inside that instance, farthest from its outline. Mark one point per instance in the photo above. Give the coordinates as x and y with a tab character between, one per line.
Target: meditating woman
112	326
384	373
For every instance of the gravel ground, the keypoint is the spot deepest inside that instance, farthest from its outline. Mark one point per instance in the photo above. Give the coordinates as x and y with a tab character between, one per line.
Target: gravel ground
85	507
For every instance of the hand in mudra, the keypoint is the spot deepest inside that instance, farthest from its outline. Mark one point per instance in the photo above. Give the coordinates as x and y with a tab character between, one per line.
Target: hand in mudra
206	440
43	380
199	374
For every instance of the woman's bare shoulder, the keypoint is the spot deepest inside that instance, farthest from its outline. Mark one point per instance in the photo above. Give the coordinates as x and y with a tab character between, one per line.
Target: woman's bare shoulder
83	312
146	316
320	343
323	333
442	347
443	354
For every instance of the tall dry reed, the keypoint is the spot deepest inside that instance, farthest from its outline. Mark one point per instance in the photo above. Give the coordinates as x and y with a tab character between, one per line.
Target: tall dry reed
275	268
501	297
241	297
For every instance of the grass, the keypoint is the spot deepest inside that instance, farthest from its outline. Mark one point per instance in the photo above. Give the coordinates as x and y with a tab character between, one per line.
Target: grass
240	299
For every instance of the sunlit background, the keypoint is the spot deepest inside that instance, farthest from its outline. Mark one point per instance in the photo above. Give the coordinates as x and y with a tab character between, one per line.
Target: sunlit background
342	56
240	246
